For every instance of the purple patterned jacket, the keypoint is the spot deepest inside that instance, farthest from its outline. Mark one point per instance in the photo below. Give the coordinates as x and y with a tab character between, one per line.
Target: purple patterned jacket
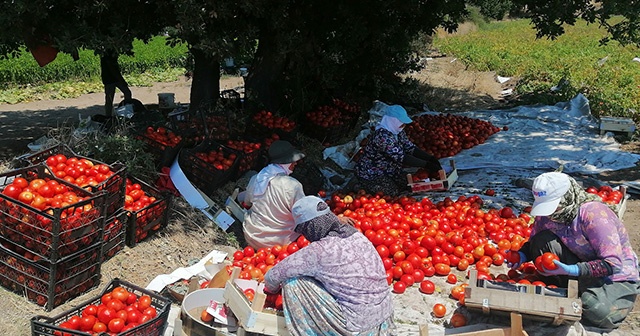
383	155
596	233
350	269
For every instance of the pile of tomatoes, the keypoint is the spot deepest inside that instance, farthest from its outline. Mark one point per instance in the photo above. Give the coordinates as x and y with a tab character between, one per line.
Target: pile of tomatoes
271	121
79	171
445	135
326	116
163	136
117	311
148	209
218	158
608	194
33	230
250	150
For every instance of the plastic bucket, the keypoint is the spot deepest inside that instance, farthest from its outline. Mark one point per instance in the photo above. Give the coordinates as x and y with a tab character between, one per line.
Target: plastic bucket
193	305
166	100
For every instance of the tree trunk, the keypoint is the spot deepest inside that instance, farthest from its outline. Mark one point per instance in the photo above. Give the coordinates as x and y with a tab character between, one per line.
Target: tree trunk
205	86
263	86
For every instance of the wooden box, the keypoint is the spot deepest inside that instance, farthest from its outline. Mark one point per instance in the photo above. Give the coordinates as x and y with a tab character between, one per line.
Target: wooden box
251	316
533	302
615	124
443	183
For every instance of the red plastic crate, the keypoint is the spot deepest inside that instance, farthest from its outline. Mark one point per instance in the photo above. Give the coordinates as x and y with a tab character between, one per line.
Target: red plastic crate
146	221
115	233
52	233
49	326
49	284
114	185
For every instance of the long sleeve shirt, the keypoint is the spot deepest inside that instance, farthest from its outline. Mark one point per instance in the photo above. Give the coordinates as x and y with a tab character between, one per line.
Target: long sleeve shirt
383	155
269	221
350	270
596	234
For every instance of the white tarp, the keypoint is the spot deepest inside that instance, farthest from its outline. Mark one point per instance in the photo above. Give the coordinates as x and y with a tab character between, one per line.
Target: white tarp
539	139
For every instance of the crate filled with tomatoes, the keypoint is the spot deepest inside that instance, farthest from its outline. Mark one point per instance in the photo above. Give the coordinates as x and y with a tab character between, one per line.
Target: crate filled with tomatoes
350	111
209	166
326	124
163	143
251	153
47	283
85	172
616	197
147	210
265	123
195	128
115	234
123	309
48	218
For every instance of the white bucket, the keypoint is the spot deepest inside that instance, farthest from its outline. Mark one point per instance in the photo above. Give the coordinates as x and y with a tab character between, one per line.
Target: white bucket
193	305
166	100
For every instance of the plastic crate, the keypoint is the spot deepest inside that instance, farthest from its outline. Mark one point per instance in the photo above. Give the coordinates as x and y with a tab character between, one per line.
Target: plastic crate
203	175
114	185
164	154
49	326
52	233
218	127
146	221
255	129
115	234
248	161
50	284
326	135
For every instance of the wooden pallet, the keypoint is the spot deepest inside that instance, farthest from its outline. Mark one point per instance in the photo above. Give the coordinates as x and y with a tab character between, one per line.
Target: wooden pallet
484	329
251	315
533	302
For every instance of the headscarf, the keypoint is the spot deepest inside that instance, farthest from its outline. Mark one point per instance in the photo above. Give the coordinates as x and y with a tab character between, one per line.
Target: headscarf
571	201
326	225
267	173
391	124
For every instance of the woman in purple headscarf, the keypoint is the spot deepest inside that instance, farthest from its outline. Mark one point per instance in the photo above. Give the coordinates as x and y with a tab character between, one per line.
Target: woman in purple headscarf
336	285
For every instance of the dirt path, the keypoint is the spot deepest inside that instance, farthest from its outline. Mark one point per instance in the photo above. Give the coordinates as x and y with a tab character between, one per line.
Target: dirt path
454	88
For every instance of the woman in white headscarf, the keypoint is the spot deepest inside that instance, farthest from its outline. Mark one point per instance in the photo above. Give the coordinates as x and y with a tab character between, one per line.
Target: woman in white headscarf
271	195
380	169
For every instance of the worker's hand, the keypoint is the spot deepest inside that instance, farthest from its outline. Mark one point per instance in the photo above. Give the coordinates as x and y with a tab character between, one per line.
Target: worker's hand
563	269
516	264
347	220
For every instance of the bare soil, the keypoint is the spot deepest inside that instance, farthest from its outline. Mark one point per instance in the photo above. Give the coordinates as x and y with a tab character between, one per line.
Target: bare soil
189	236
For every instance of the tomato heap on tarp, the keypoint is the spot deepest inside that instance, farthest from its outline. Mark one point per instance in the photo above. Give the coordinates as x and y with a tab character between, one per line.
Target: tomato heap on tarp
445	135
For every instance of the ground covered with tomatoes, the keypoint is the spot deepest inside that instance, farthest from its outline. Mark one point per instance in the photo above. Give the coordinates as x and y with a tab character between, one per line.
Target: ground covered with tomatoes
424	293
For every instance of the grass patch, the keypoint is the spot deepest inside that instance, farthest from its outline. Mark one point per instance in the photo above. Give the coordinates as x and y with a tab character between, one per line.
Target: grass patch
606	75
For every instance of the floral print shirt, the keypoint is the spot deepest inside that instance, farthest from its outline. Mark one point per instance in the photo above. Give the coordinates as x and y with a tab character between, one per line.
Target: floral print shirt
383	155
351	271
596	233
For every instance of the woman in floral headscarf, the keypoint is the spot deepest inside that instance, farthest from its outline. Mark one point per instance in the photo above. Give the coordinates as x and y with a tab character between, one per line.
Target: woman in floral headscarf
592	245
337	284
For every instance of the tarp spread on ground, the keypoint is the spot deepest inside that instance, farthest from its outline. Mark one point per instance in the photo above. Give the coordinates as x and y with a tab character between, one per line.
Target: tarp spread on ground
539	139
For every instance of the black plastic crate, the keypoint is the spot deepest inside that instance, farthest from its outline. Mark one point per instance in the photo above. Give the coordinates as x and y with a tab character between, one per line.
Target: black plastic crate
200	126
256	128
163	153
113	185
115	234
49	284
49	326
144	222
251	153
326	135
205	176
51	233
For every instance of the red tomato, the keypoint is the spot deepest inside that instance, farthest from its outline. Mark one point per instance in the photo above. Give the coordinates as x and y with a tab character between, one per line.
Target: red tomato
87	322
105	315
90	310
547	260
99	327
451	278
439	310
116	325
399	287
144	302
427	287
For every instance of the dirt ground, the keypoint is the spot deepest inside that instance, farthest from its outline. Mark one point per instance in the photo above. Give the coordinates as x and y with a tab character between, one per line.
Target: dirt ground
453	88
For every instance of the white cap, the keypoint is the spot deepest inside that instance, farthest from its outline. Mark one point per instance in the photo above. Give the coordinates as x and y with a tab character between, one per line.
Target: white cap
306	209
548	190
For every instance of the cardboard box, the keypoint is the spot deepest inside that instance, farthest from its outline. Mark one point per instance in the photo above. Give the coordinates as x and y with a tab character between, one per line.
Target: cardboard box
534	302
251	316
444	182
